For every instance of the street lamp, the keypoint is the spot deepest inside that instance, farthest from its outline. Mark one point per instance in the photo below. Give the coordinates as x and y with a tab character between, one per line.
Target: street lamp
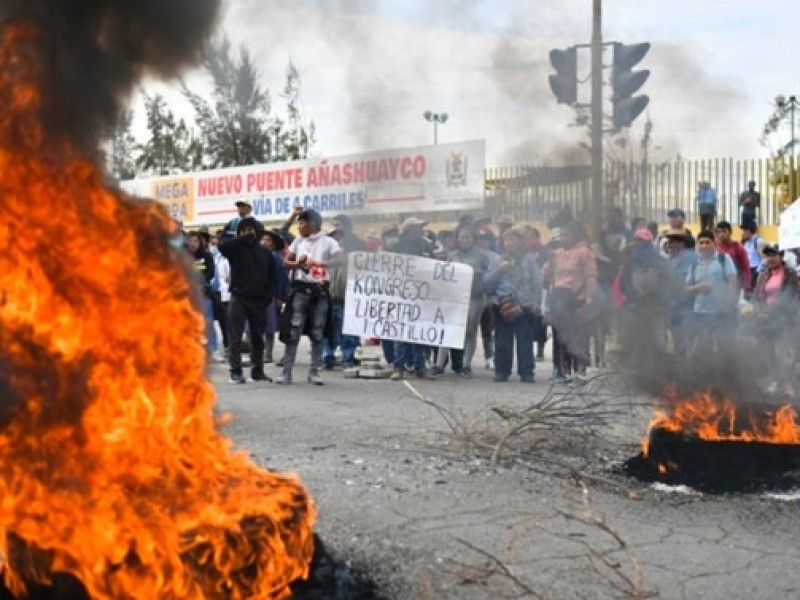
789	105
435	118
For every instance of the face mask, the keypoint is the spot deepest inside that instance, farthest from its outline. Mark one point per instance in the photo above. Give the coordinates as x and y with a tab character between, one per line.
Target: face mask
214	251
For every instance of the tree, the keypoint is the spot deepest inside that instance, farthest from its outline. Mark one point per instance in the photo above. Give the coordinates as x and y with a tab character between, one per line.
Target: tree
121	153
171	146
293	140
236	130
237	127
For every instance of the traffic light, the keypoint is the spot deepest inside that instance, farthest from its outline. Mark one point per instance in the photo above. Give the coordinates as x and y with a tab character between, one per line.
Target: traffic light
625	82
565	82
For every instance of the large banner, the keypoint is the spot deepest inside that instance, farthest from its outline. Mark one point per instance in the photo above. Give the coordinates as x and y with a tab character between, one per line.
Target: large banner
418	180
407	298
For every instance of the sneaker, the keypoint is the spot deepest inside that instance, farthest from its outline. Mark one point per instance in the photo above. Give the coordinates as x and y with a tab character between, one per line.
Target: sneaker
559	379
329	366
437	370
237	378
465	373
425	374
315	379
500	379
528	379
283	379
490	364
540	358
396	375
260	377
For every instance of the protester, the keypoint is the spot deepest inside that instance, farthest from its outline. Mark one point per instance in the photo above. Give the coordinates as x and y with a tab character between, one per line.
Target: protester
310	258
373	241
737	253
749	203
253	282
681	260
515	286
412	241
677	222
390	235
243	209
204	267
484	241
572	273
348	241
777	293
504	223
222	295
335	337
753	245
644	283
706	200
712	282
468	253
273	241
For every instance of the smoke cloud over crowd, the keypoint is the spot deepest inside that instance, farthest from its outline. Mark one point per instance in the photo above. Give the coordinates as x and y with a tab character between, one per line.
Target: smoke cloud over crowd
91	53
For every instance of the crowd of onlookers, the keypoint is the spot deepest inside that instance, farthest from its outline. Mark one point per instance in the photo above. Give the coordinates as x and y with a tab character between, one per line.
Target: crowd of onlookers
671	288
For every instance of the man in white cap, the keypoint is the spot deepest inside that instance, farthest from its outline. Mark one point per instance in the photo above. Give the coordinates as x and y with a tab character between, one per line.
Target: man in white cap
243	209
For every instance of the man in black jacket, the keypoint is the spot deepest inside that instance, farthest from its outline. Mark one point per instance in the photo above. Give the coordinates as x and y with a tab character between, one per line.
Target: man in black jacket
252	286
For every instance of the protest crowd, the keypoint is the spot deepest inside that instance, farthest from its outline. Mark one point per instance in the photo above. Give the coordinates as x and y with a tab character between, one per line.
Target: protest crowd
264	289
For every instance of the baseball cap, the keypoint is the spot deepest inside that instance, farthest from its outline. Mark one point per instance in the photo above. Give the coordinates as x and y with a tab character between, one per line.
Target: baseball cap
243	203
412	222
676	212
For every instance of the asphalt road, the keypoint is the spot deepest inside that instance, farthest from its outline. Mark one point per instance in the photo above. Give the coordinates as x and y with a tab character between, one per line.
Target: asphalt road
427	516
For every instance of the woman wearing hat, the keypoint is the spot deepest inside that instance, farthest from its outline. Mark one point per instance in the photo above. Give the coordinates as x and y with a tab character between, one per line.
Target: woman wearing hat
776	301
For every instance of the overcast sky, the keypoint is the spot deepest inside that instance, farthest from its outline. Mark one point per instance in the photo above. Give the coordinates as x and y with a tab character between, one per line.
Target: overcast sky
370	68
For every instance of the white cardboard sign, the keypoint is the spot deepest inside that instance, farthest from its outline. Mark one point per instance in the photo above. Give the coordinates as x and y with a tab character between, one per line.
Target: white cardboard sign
407	298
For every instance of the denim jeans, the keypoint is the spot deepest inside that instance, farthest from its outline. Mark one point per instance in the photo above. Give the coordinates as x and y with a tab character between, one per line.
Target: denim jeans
505	335
409	354
349	343
315	312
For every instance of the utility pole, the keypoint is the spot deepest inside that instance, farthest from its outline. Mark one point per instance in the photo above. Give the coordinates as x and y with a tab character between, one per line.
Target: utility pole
648	128
597	115
597	210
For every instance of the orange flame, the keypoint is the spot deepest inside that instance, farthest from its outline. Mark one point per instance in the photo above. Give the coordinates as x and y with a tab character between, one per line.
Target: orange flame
111	465
711	419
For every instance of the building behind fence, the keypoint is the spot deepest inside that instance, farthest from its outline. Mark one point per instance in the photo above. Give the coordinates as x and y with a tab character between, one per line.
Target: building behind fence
538	193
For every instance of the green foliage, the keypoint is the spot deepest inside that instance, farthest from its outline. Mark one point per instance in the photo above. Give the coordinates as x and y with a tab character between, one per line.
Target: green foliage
172	147
121	152
236	126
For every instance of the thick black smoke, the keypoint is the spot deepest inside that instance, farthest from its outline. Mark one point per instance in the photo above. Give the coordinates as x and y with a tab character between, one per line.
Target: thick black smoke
90	54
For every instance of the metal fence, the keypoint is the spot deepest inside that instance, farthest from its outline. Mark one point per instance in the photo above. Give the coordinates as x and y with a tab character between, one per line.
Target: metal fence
538	193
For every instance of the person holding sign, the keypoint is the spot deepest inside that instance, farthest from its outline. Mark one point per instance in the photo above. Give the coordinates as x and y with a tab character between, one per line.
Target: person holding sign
309	303
468	253
515	285
411	241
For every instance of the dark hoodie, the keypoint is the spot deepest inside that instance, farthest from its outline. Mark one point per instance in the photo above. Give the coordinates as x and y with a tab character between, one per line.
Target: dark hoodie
252	266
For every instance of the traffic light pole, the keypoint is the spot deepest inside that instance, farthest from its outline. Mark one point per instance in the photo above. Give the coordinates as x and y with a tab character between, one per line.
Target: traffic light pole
597	119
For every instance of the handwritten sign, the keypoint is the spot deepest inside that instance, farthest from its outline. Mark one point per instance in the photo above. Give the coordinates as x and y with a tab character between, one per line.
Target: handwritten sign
407	298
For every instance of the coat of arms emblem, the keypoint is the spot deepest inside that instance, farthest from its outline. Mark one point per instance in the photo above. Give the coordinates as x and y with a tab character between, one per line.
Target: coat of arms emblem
457	170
